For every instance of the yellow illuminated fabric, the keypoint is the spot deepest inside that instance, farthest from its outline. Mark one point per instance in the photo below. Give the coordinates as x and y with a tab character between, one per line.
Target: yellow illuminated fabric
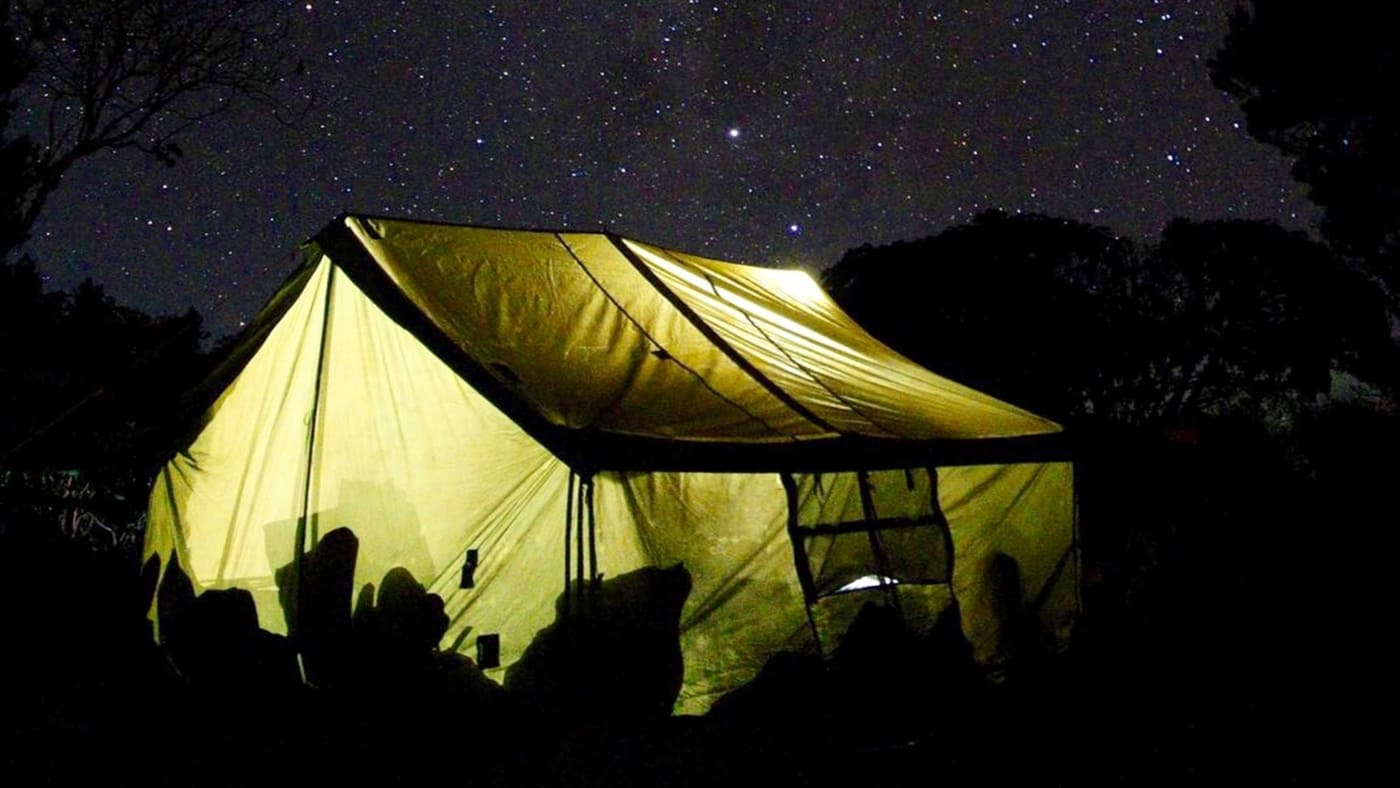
571	324
785	325
526	306
409	457
343	417
730	532
228	503
705	394
1017	520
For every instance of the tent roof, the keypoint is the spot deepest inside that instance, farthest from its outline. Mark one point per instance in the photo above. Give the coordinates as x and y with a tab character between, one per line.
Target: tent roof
617	354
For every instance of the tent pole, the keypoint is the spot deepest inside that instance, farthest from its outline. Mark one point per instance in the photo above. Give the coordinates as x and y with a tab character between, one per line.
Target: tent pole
948	544
578	535
568	535
799	558
299	549
592	534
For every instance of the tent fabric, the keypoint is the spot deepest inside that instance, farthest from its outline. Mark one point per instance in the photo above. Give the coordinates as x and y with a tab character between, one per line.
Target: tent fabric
637	361
434	388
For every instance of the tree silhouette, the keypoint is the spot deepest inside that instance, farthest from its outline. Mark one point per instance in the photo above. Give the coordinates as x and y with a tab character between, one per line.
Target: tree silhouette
83	76
1252	319
1215	318
87	383
1017	306
1320	87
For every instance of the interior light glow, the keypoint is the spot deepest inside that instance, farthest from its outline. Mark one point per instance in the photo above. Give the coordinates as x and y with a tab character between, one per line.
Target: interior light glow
868	581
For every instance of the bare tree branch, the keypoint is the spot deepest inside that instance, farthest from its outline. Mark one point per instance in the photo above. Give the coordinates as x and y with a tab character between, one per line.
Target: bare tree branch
113	74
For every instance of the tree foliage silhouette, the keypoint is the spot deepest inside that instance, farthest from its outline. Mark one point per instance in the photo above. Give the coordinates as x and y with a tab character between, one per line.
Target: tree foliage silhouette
1320	87
966	301
88	383
84	76
1253	318
1240	318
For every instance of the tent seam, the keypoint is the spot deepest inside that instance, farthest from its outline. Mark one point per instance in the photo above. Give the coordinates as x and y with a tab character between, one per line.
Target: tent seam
623	311
809	373
729	350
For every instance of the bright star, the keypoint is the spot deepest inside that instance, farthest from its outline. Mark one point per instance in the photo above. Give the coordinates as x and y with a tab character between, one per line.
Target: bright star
734	133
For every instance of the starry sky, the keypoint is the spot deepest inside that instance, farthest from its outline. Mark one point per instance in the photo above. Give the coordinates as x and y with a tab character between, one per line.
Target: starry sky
777	133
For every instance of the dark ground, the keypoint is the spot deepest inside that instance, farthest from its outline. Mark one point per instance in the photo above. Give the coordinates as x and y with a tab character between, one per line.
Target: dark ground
1232	631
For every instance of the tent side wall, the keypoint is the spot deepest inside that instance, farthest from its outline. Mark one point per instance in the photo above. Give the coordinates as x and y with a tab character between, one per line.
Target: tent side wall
215	506
729	530
421	467
1012	528
407	456
1016	572
344	419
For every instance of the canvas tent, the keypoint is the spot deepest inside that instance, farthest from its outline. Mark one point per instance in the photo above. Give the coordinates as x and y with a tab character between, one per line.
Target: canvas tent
562	404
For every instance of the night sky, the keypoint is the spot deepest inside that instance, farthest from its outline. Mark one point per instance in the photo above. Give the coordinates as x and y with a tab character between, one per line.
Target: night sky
779	133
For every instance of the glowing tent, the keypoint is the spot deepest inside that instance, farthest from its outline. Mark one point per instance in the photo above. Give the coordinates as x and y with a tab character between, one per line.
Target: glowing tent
560	405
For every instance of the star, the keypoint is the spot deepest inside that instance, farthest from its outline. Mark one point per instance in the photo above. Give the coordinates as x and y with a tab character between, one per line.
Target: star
894	128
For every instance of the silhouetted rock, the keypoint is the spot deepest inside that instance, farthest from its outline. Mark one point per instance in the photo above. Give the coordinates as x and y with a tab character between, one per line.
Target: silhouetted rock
783	695
217	643
613	653
316	604
410	618
174	600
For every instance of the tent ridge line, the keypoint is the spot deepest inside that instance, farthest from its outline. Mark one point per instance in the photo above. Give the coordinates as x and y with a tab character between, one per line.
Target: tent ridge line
349	252
709	332
698	377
